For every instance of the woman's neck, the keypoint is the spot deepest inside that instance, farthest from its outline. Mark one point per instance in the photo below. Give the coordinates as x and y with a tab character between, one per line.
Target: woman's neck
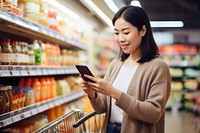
131	60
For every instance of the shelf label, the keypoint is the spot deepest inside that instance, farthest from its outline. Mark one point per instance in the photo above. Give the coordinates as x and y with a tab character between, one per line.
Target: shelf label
27	114
46	107
44	31
16	118
24	72
45	72
7	122
21	22
57	102
32	72
6	16
15	72
41	109
34	111
51	34
35	27
6	73
38	72
51	105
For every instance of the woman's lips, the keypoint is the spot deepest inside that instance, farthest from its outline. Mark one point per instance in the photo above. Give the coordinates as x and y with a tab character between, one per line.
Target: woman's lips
124	46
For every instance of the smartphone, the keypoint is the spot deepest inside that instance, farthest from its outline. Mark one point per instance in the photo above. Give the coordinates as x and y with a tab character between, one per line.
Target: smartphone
84	70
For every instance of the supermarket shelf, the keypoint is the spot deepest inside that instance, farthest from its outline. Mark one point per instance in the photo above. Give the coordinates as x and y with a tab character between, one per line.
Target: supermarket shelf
17	71
20	114
183	65
180	54
19	26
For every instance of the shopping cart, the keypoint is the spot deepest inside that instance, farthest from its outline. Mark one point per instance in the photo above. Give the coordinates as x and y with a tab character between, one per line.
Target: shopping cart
75	121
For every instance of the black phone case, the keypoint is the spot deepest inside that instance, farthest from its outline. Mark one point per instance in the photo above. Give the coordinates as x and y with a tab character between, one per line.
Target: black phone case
84	70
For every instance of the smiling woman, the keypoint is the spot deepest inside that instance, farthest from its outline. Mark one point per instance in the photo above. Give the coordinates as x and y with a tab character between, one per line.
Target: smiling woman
137	77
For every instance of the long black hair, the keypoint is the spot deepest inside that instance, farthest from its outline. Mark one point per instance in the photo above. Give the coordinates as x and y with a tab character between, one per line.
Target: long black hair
138	17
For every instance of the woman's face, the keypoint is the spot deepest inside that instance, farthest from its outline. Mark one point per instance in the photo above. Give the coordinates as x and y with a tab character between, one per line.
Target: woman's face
128	36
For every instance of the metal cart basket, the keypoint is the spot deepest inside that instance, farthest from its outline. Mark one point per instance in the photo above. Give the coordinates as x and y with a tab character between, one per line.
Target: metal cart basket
75	121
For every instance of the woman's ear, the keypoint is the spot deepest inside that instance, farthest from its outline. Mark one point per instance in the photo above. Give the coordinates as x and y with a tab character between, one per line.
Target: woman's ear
143	31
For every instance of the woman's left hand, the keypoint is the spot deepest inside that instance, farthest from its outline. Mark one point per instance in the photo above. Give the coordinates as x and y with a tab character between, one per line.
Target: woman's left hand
104	87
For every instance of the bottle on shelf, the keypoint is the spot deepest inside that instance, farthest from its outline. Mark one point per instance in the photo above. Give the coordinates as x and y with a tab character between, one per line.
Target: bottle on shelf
16	53
31	55
37	89
38	52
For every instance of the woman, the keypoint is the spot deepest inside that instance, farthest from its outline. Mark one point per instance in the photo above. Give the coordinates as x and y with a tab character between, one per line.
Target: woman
136	87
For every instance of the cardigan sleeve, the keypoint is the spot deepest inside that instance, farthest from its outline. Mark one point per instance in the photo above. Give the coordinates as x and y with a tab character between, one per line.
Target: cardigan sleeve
99	104
157	86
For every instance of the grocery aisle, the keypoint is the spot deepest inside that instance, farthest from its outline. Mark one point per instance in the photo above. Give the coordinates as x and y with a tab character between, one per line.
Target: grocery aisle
181	122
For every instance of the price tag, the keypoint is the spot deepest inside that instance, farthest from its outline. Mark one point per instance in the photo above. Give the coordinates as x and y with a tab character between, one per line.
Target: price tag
53	71
27	114
44	31
7	121
15	72
57	102
24	72
45	72
34	111
16	118
5	16
34	27
22	116
51	105
6	73
61	101
50	71
46	107
62	38
32	72
41	109
38	72
51	34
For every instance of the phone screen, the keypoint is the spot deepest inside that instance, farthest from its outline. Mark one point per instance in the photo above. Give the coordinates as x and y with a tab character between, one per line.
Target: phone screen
84	70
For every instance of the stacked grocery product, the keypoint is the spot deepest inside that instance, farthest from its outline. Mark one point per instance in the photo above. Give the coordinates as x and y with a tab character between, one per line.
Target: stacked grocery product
184	63
34	90
40	120
40	12
14	52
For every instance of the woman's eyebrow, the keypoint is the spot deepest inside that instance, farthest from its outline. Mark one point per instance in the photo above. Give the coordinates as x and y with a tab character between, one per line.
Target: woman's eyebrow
122	29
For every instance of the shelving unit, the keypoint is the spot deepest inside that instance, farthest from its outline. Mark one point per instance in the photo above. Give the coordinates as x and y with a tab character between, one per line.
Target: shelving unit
179	63
19	27
26	112
15	71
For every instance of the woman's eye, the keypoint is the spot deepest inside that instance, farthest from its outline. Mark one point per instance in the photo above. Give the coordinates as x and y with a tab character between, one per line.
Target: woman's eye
126	33
116	33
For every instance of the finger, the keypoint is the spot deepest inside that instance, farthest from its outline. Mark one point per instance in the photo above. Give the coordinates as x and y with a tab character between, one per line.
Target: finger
95	79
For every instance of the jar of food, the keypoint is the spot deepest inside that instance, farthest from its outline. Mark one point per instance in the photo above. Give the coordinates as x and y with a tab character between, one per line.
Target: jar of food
9	92
16	53
4	99
7	56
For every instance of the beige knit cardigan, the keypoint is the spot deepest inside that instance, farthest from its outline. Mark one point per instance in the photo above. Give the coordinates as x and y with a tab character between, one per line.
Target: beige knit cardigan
144	103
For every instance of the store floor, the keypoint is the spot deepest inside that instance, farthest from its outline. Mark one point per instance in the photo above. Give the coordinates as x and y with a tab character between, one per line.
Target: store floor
181	122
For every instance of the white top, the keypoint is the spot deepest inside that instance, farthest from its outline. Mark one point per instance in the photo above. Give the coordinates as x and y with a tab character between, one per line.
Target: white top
121	82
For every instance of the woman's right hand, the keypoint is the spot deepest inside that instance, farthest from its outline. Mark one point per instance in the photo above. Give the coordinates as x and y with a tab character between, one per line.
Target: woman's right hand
90	92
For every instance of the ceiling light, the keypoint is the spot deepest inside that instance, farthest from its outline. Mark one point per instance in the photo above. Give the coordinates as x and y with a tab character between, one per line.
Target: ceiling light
157	24
62	8
135	3
99	12
111	4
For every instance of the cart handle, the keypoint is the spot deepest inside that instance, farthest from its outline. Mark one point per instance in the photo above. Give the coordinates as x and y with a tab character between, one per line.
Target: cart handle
83	119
